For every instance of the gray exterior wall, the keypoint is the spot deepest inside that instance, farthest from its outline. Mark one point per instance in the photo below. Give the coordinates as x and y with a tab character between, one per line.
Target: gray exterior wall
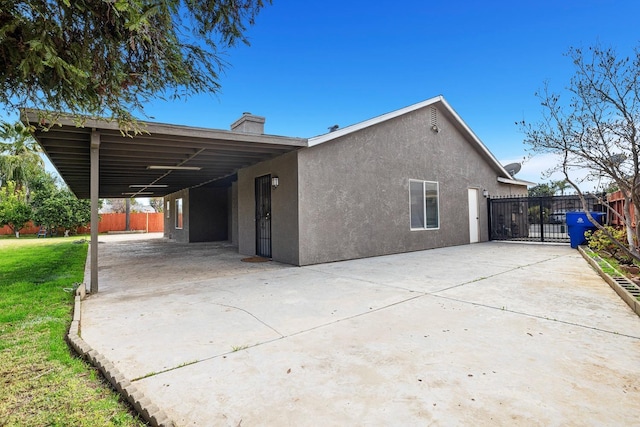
170	230
204	215
233	213
284	208
354	190
208	214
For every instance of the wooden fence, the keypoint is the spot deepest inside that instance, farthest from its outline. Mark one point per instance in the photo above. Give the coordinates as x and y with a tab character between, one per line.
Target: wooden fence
148	222
616	203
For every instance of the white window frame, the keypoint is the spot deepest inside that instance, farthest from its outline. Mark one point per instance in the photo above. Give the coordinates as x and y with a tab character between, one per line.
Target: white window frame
424	206
179	223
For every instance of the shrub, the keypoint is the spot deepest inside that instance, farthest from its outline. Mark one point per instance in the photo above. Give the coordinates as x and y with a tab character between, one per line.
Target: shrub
600	242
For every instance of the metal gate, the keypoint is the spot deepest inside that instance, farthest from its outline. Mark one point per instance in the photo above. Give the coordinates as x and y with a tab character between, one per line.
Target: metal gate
534	219
263	216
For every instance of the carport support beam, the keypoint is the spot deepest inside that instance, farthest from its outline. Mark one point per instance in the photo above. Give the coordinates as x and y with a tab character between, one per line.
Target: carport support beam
95	219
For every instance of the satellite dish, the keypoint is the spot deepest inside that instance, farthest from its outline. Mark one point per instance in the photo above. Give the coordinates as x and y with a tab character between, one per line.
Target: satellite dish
513	168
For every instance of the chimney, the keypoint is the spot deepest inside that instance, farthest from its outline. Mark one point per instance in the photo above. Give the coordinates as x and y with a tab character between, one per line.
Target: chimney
249	123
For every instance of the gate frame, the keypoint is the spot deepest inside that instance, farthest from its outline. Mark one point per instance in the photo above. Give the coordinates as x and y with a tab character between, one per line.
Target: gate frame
549	208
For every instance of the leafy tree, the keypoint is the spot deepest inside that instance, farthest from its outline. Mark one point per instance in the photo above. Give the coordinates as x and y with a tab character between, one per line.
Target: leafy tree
541	190
14	210
559	186
42	184
597	128
550	189
110	57
534	214
62	209
55	206
20	159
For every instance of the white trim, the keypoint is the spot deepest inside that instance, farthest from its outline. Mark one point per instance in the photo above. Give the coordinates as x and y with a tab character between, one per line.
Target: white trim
424	220
515	181
370	122
388	116
179	213
473	201
424	204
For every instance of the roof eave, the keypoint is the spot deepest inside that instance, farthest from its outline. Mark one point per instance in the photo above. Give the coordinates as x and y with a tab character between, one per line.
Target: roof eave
34	116
515	181
370	122
388	116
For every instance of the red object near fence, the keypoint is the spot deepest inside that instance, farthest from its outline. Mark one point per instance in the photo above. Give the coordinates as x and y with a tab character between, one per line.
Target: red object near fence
616	202
28	229
147	222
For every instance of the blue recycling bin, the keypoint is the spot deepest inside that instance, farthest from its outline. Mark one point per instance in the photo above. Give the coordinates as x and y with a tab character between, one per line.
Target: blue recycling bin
578	224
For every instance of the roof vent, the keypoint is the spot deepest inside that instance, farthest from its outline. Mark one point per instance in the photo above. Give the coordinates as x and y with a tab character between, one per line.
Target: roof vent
434	120
333	128
249	123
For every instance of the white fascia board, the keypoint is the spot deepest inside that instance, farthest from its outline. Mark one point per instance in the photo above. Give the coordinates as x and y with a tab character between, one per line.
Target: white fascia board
438	99
515	182
374	121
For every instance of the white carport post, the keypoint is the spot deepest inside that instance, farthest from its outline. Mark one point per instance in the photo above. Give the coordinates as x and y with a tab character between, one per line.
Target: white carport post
95	168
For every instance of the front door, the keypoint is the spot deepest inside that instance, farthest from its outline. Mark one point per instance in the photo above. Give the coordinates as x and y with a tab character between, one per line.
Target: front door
474	216
263	216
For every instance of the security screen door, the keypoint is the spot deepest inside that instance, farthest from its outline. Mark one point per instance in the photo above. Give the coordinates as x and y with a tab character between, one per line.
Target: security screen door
263	216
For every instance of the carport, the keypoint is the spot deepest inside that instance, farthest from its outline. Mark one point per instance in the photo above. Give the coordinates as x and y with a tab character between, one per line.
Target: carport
98	160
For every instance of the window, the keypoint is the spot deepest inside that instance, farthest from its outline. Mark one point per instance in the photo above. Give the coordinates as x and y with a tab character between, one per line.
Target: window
423	197
168	209
179	213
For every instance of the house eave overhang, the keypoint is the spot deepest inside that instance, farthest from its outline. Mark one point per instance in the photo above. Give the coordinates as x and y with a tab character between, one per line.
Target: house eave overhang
125	159
515	182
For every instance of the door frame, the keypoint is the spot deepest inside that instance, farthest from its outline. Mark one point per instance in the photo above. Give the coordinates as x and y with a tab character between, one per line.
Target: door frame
473	208
263	217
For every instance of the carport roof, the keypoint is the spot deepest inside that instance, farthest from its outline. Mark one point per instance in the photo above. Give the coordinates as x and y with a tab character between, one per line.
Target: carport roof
125	160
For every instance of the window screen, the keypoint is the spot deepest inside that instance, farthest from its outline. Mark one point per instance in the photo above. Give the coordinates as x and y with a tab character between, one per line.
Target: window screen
424	204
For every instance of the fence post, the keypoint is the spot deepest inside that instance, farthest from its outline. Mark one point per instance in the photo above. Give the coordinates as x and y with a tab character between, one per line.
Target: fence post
540	206
489	218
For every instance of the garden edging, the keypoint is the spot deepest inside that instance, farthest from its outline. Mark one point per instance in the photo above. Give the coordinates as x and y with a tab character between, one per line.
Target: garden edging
625	288
145	408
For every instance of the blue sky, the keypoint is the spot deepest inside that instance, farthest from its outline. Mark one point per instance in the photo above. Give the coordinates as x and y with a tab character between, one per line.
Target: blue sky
313	64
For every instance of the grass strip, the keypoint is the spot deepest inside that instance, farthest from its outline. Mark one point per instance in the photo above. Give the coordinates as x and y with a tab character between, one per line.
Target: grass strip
41	382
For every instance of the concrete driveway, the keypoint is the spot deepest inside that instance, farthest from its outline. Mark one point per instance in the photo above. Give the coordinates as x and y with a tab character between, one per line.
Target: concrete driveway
485	334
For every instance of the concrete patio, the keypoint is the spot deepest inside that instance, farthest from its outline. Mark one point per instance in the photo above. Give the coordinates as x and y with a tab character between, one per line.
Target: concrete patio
484	334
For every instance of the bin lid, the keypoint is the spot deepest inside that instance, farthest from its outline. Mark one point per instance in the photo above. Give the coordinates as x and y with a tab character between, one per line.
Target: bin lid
580	218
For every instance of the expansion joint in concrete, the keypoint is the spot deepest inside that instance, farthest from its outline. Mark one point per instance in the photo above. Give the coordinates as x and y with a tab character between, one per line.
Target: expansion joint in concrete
480	279
507	310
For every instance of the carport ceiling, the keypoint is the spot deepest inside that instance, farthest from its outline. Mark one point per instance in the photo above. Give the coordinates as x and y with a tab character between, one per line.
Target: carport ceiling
125	161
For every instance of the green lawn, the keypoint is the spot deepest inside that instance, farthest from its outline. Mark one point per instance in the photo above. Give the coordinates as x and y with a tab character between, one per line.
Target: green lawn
42	383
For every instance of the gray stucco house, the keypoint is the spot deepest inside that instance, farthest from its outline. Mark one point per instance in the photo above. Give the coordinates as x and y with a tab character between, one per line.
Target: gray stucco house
413	179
